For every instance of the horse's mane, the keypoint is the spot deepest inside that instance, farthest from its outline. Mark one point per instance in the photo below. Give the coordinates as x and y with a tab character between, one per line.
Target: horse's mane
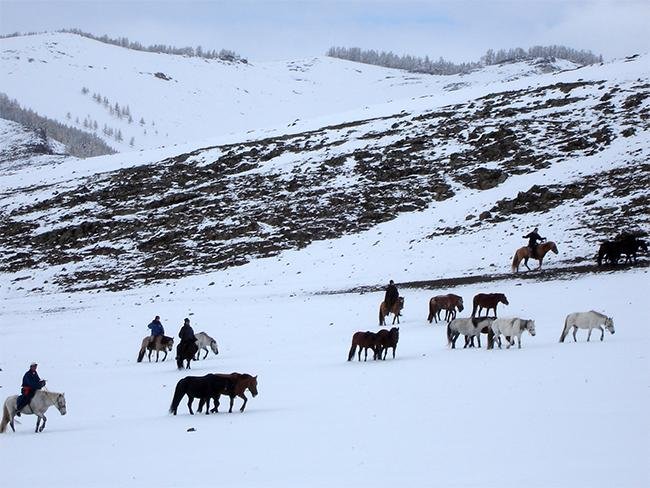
601	315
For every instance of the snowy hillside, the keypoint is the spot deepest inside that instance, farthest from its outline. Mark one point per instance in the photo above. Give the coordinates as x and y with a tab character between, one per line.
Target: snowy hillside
174	99
568	153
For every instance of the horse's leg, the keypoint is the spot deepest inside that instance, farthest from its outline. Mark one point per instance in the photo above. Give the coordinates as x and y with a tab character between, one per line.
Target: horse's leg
589	334
478	338
519	341
540	263
602	332
149	355
575	329
232	402
189	404
165	356
206	352
43	425
526	263
157	354
244	405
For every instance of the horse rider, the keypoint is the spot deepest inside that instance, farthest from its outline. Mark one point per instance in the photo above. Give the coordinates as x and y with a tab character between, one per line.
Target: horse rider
533	239
392	294
157	331
31	384
186	335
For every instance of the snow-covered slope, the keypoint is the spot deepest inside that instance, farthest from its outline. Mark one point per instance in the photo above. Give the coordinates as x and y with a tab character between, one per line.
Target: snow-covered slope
192	99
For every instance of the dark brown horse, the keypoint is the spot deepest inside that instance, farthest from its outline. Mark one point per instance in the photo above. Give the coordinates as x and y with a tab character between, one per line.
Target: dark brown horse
186	350
364	340
149	344
395	310
449	303
202	387
242	382
488	301
387	339
524	253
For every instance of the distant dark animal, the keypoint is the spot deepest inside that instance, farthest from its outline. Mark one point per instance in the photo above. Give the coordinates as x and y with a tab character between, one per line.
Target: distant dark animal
149	344
449	303
186	350
241	382
364	341
523	253
587	320
203	341
612	251
387	339
43	399
395	310
488	301
202	387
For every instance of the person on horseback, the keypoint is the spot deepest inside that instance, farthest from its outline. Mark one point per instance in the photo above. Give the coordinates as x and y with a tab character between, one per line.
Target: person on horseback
186	335
31	384
157	331
533	239
392	294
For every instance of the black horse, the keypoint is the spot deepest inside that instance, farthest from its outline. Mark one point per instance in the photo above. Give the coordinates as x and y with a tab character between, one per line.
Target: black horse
612	251
207	387
186	350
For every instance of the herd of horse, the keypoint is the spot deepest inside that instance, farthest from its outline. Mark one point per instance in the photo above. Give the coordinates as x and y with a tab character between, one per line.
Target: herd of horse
470	327
211	386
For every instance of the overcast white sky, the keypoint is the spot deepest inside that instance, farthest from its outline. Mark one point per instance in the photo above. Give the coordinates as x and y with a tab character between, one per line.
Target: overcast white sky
458	30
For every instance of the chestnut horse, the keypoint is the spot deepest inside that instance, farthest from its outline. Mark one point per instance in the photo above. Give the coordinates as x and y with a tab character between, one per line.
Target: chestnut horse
364	340
488	301
524	253
395	310
242	382
387	339
448	303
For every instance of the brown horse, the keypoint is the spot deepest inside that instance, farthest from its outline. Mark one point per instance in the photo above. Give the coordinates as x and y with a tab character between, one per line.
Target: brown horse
149	344
449	303
364	340
387	339
395	310
243	382
524	253
488	301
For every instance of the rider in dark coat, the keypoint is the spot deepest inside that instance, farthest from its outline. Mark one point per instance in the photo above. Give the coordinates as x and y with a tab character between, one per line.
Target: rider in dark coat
392	294
31	383
533	239
157	331
187	337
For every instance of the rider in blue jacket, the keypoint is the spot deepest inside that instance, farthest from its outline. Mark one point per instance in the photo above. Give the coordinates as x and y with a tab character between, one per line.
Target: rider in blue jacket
157	331
31	383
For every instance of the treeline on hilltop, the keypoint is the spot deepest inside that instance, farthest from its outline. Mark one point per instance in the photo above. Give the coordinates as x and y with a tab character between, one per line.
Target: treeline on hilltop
442	66
78	143
198	51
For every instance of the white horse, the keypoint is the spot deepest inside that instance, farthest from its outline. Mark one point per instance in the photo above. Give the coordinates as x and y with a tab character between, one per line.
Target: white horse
203	340
470	327
587	320
42	400
512	327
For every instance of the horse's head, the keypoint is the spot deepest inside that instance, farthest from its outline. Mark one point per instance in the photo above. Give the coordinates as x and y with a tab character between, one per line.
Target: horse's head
394	334
530	326
170	344
400	303
502	298
609	324
553	247
252	385
60	403
459	304
213	346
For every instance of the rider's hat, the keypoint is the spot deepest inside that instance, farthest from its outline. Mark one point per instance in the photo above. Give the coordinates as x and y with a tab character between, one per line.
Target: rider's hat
33	364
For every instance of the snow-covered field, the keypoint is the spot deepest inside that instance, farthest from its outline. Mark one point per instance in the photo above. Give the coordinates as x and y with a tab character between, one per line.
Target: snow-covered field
549	414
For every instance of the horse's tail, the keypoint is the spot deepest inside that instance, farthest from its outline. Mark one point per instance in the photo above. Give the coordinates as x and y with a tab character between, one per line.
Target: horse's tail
5	419
565	331
178	395
143	349
515	262
449	334
381	314
431	311
353	349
